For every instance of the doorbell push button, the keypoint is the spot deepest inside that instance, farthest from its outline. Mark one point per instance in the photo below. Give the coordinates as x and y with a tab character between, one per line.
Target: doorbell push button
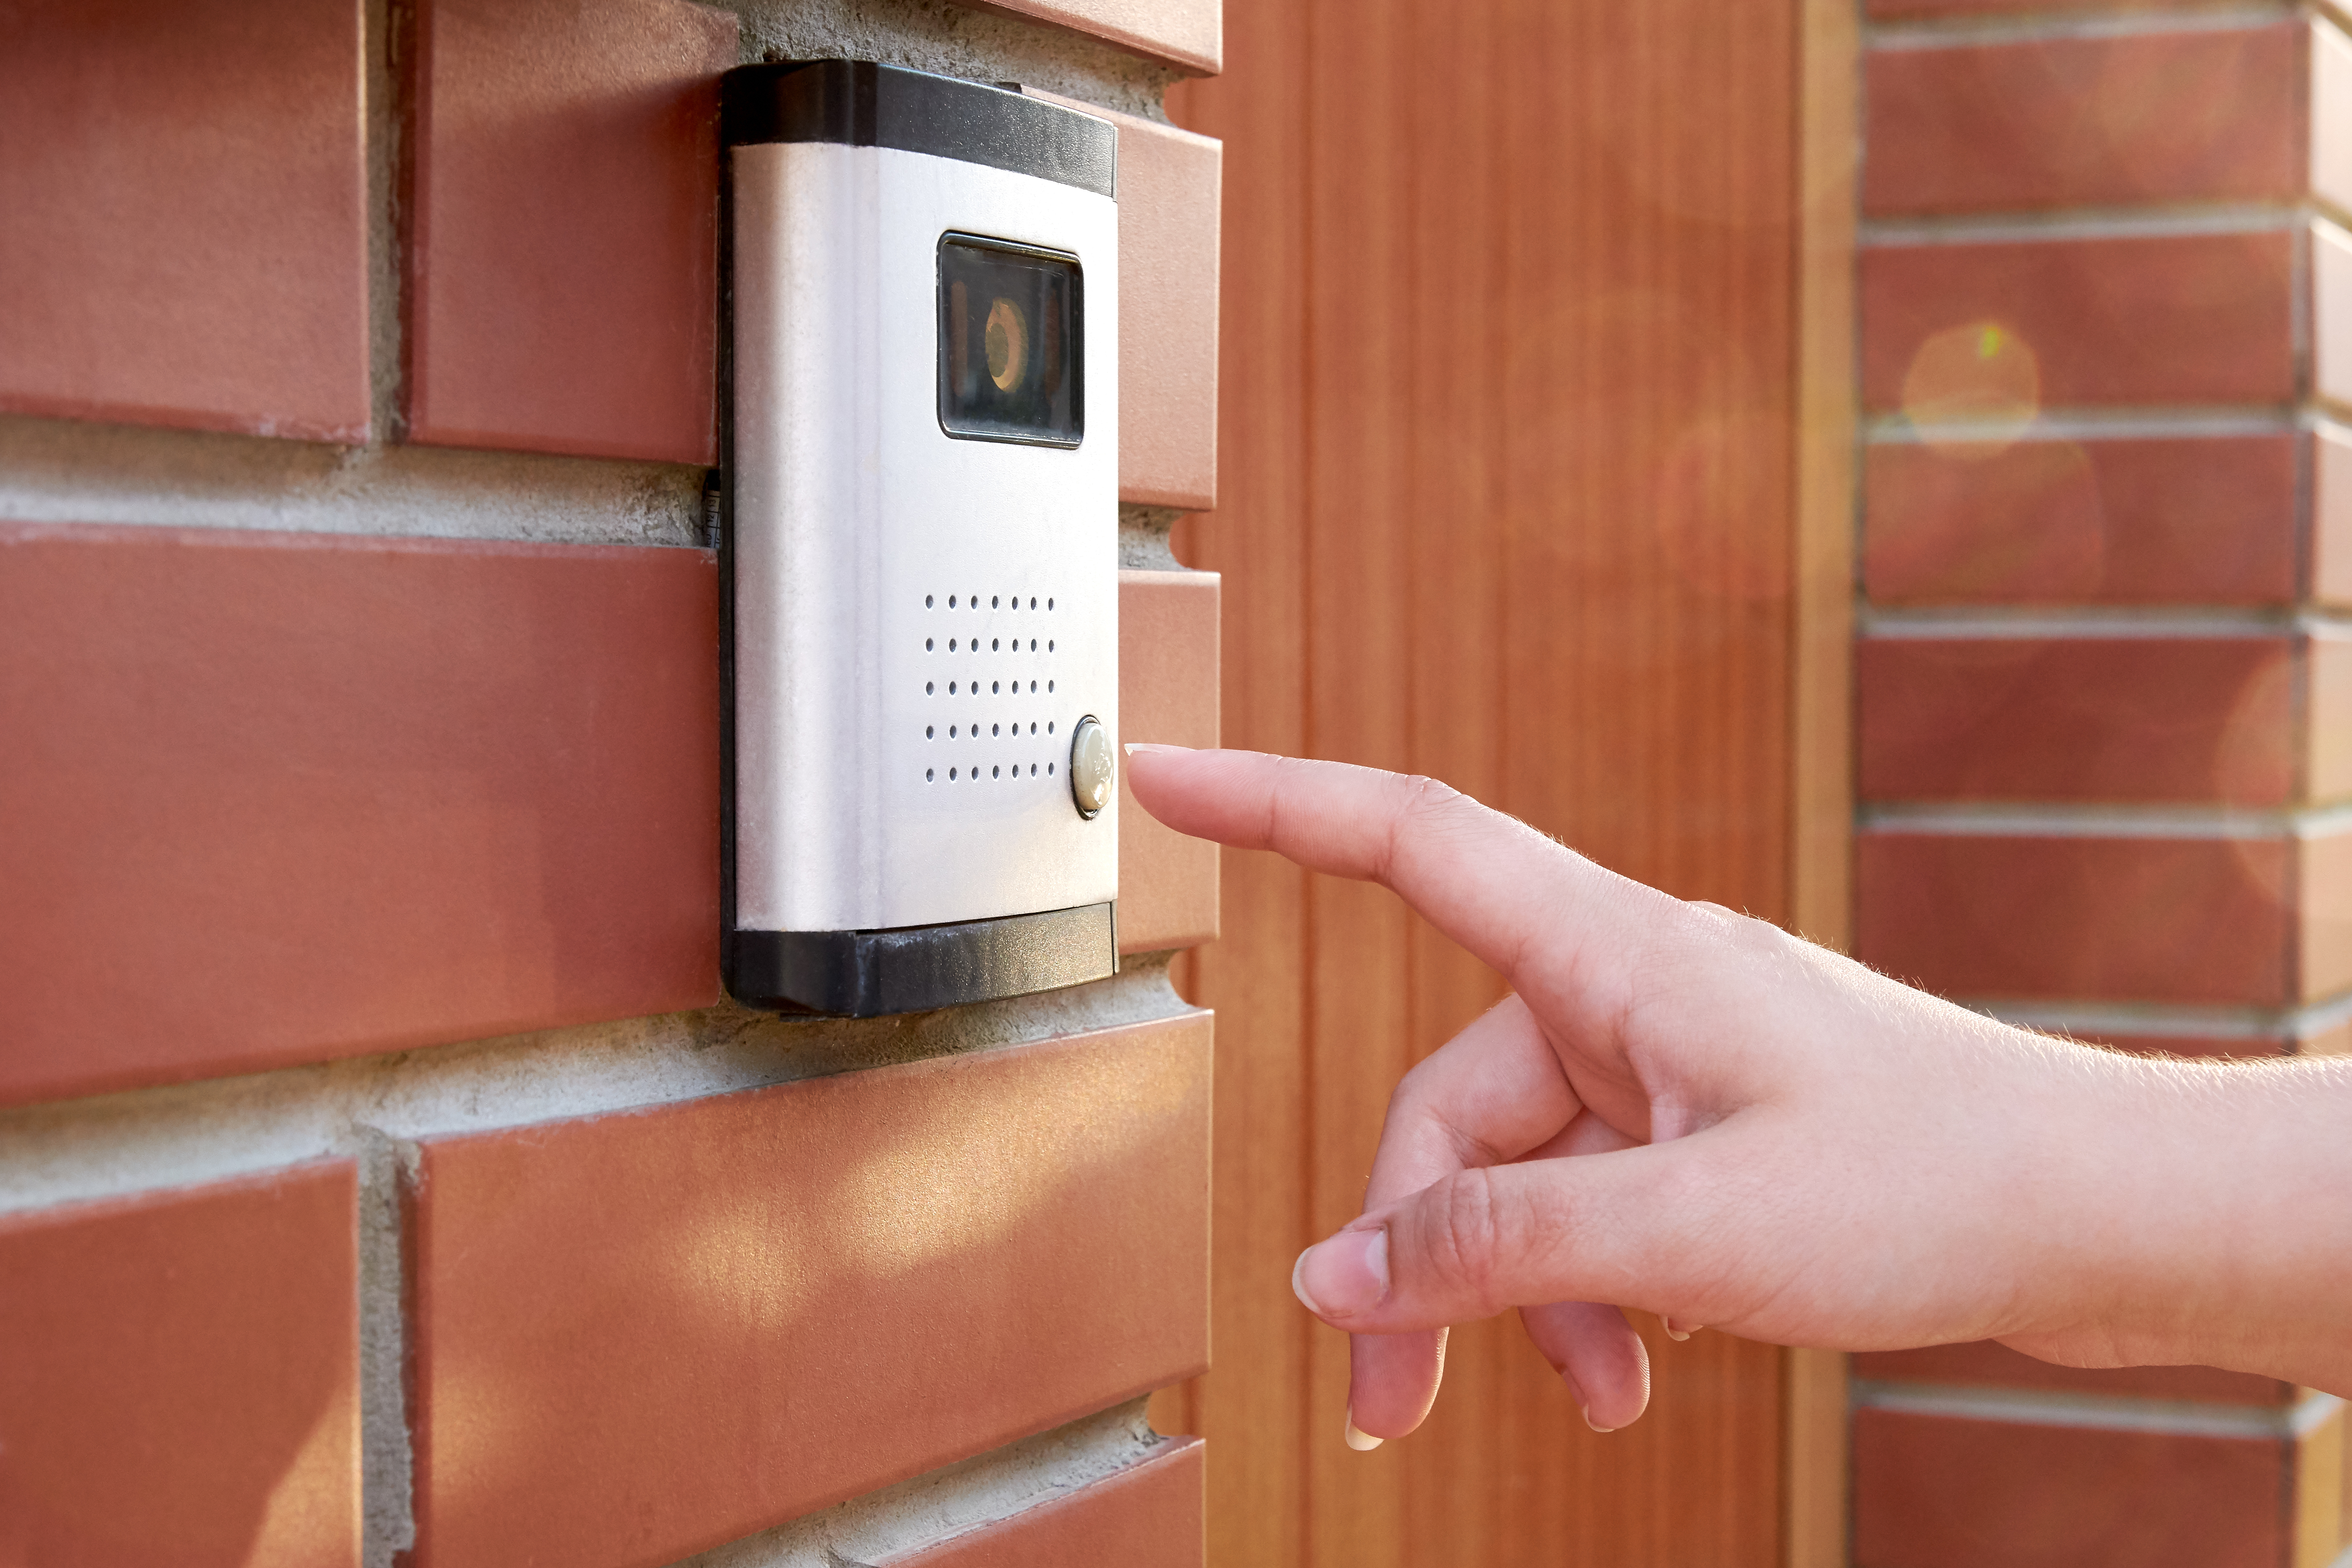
1091	767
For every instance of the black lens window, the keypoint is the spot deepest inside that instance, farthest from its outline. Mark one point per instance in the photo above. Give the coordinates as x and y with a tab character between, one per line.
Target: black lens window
1011	332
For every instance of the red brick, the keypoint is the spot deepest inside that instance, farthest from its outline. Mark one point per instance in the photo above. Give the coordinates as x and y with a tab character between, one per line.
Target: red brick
2187	719
185	241
2209	114
1168	692
2327	703
2208	521
565	258
2193	318
1985	1364
2331	520
2324	877
2113	919
1147	1516
1890	9
281	798
1169	186
1932	1491
640	1335
1190	34
2331	114
2322	1466
2331	314
181	1382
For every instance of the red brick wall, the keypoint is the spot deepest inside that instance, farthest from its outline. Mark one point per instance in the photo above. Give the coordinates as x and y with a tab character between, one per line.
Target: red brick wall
384	1177
2101	711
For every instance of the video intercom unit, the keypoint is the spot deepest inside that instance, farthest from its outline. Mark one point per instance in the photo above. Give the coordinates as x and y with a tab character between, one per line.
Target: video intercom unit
919	552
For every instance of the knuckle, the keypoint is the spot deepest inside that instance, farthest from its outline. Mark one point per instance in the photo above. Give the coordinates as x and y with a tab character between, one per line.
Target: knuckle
1466	1238
1423	806
1423	794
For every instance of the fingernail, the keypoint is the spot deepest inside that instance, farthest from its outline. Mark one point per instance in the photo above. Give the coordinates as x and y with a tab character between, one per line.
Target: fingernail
1362	1442
1135	745
1675	1331
1343	1276
1596	1426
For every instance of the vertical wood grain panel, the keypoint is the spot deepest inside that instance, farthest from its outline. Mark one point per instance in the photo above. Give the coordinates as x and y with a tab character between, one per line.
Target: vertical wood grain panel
1255	1420
1362	340
1826	529
1507	493
1827	525
1458	170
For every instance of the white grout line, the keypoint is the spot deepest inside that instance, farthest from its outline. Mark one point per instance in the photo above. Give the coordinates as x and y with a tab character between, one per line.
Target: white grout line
2080	223
2160	1020
2099	1412
2092	424
387	1455
382	115
2089	623
1967	31
951	1502
151	1139
2080	623
67	471
1996	819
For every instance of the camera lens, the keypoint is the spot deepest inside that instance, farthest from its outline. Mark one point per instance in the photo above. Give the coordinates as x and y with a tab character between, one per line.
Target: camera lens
1006	344
1011	360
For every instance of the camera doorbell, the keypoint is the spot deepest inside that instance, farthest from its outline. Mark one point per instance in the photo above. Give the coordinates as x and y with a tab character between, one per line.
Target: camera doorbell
919	552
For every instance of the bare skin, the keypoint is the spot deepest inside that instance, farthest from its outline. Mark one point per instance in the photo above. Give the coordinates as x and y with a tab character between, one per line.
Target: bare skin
1693	1114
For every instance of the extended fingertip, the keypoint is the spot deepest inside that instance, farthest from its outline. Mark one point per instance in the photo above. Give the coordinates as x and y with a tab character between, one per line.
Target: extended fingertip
1298	1289
1361	1441
1342	1275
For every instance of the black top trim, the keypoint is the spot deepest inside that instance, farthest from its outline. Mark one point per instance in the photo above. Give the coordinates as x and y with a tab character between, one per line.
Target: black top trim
863	104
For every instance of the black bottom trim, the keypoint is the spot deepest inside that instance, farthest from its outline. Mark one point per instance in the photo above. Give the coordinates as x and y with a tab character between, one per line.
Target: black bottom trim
869	974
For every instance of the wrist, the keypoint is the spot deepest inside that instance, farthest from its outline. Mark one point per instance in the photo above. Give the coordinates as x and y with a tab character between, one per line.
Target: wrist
2214	1228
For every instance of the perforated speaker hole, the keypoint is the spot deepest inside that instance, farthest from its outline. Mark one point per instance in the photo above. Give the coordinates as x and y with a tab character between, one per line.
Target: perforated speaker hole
1022	725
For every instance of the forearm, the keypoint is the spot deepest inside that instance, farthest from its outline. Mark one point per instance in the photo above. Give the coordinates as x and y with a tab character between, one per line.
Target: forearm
2221	1226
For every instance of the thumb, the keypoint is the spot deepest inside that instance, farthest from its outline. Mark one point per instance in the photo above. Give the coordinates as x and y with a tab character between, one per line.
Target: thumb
1619	1228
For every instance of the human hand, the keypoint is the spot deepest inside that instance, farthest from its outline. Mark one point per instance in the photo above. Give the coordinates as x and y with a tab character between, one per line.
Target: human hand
1694	1113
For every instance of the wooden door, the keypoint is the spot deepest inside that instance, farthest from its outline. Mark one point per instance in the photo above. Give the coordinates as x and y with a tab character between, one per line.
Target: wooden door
1510	496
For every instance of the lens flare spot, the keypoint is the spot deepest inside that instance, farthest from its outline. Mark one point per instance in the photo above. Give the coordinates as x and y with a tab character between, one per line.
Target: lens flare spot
1981	381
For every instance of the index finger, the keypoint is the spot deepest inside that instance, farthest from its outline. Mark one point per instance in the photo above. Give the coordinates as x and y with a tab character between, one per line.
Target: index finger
1491	882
